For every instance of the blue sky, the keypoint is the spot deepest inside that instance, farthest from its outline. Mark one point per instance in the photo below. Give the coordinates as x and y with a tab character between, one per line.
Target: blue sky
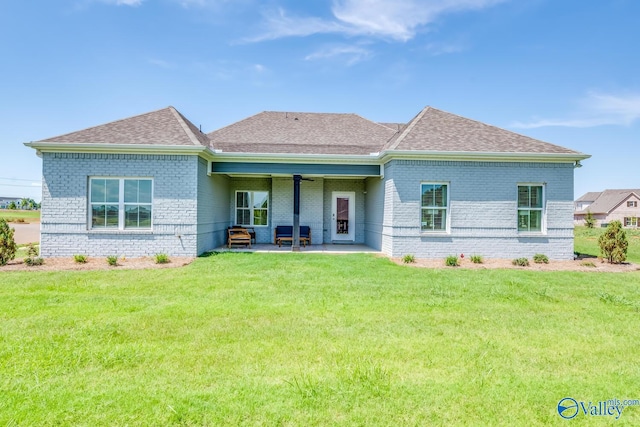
566	72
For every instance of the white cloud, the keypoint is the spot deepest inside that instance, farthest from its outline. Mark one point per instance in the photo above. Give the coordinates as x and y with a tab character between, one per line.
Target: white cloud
125	2
354	54
394	19
596	109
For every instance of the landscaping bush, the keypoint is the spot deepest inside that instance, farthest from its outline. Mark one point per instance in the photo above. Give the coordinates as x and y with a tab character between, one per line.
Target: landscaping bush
451	261
33	261
613	243
520	262
80	259
112	260
8	245
408	259
162	258
476	259
540	259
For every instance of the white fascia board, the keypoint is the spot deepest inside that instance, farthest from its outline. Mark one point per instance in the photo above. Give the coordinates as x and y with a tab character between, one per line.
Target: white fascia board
52	147
483	156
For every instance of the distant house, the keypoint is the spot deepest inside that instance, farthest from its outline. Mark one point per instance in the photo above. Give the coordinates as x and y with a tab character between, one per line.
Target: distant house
438	185
610	205
6	201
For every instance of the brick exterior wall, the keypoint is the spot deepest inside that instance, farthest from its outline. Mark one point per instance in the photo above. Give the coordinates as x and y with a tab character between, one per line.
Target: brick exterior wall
64	221
483	209
213	209
263	233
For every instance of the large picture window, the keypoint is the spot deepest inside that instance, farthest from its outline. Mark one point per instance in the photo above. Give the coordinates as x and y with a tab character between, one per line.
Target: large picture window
252	208
434	207
530	207
120	203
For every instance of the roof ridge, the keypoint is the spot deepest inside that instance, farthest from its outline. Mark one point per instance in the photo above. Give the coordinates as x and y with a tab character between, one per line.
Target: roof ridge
407	129
184	123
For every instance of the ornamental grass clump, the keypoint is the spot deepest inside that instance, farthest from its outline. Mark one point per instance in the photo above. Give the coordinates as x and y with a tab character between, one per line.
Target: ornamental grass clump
451	261
409	259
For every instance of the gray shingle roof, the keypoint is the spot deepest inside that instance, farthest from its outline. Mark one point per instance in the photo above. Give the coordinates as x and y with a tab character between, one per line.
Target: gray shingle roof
302	133
435	130
609	199
161	127
589	197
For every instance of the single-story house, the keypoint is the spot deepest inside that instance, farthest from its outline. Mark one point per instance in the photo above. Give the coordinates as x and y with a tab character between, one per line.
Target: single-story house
438	185
610	205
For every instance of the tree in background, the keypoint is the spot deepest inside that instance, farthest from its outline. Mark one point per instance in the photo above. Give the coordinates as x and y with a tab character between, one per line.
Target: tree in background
613	243
12	205
8	245
589	220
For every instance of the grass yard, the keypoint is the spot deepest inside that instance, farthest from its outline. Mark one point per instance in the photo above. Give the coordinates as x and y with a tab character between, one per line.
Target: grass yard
586	242
27	216
304	339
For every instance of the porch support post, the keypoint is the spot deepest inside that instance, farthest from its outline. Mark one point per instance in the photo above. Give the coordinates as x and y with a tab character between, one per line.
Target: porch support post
295	244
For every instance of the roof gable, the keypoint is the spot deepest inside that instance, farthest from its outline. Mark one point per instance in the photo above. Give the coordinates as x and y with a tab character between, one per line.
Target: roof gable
302	133
610	199
439	131
161	127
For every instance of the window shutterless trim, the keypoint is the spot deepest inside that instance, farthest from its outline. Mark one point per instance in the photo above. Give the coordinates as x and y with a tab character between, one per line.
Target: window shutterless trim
120	203
445	209
542	209
251	208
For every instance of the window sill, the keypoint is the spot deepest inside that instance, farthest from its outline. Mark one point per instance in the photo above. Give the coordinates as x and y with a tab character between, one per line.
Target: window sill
118	231
435	233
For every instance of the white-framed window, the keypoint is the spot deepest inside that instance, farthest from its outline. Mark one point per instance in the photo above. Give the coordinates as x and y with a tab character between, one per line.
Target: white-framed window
252	208
531	208
120	203
434	206
631	221
632	204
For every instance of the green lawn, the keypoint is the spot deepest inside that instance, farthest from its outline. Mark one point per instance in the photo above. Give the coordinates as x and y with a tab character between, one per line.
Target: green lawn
11	215
303	339
586	242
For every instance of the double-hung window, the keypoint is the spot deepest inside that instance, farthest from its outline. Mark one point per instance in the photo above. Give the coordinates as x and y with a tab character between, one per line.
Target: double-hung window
434	206
632	204
120	203
631	221
252	208
530	208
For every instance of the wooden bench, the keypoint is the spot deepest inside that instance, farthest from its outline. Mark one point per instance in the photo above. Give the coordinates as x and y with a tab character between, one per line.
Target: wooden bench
238	236
250	230
284	233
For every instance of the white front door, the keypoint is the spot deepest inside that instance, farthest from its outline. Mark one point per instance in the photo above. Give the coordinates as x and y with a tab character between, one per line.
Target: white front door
343	216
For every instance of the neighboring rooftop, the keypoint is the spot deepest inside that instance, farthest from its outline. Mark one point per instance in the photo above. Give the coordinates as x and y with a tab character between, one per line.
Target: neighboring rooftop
609	199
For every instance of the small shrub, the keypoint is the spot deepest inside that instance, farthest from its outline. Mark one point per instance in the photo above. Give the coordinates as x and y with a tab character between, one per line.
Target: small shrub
451	261
589	220
587	264
520	262
112	260
541	259
20	220
408	259
33	261
32	250
80	259
8	245
162	258
476	259
613	243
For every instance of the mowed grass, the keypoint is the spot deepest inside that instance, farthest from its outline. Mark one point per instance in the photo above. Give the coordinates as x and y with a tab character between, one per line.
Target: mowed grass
303	339
27	216
586	242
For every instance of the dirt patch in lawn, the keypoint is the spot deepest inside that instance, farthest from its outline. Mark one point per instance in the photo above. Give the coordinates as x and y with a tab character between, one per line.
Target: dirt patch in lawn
581	264
59	264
